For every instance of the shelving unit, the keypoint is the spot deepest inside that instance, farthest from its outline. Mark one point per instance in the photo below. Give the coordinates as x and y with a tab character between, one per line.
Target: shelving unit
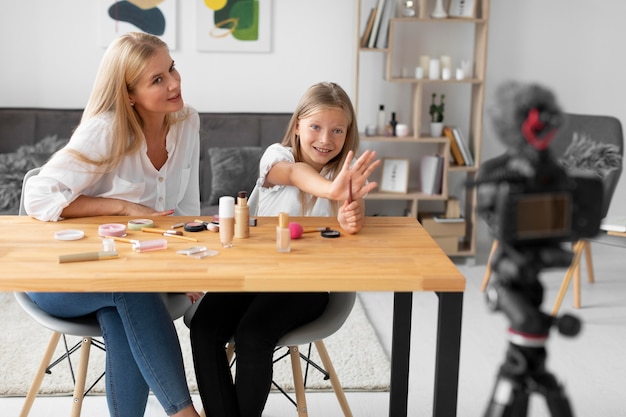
394	85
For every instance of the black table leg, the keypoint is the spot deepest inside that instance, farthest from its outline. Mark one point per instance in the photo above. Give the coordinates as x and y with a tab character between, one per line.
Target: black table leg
448	354
400	352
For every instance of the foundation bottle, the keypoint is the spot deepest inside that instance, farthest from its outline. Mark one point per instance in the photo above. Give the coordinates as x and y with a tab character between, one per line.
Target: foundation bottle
283	235
242	216
227	221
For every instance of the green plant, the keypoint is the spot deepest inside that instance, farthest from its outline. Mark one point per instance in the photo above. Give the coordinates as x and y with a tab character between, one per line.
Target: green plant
436	111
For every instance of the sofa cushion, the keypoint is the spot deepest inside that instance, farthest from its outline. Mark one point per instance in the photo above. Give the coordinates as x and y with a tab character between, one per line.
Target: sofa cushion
233	169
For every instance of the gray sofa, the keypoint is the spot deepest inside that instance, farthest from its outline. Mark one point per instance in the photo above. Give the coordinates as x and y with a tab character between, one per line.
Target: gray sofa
230	145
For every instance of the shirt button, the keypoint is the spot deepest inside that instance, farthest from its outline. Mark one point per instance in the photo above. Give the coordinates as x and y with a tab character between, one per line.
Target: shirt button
161	179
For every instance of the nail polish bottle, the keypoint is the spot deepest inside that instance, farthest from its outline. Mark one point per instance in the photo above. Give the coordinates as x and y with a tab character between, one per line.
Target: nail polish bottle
283	234
227	221
242	216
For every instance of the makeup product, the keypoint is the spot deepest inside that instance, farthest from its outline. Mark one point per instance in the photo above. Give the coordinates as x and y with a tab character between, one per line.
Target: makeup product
138	224
227	221
87	256
283	234
210	226
108	245
381	121
242	216
123	239
149	245
112	229
69	234
350	190
177	225
296	230
161	231
331	233
191	250
176	236
194	227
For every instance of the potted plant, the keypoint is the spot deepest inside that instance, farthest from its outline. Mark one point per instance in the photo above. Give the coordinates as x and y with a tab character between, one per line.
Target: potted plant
436	115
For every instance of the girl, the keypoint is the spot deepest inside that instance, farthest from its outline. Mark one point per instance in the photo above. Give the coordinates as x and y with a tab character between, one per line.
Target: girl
308	174
134	153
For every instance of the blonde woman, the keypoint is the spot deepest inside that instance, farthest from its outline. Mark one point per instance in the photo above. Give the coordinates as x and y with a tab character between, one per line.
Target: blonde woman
134	153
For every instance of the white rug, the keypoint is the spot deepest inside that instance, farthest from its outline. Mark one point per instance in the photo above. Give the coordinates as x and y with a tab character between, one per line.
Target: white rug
357	355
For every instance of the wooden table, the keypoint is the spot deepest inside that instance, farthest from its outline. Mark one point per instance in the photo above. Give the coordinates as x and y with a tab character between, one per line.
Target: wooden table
390	254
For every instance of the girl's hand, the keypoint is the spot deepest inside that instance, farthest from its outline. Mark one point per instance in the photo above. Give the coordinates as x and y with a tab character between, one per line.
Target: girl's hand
351	216
359	172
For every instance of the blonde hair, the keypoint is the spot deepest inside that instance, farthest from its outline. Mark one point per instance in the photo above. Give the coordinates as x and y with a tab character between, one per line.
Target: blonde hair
320	97
120	69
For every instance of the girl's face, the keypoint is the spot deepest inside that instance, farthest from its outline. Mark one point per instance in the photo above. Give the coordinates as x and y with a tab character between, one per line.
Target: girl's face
322	136
158	88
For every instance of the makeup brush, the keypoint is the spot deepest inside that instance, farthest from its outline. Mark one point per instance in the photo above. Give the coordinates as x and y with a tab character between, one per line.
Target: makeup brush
296	230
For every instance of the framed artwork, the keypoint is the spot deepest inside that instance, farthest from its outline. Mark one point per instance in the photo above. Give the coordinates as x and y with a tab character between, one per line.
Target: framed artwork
157	17
395	176
233	25
462	8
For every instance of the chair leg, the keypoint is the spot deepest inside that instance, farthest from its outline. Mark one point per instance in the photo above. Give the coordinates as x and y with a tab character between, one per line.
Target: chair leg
578	249
590	275
494	246
81	377
298	381
36	384
334	379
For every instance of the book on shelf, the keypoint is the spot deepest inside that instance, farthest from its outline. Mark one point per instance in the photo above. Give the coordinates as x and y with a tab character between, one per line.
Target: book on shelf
431	174
368	28
614	224
457	157
383	30
460	140
371	43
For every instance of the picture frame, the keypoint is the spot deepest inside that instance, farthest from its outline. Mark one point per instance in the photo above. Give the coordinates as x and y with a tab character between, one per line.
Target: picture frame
395	175
462	8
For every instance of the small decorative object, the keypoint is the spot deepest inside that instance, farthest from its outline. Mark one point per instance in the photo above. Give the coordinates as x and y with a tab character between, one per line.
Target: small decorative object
462	8
439	12
446	61
436	115
434	69
419	73
460	74
395	175
406	8
446	74
370	130
467	67
402	130
424	64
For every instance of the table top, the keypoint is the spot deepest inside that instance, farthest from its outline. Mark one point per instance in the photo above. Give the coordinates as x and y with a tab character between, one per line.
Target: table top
388	254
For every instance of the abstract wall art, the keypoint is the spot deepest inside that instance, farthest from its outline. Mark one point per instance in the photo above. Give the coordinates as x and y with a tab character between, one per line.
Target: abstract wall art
233	25
157	17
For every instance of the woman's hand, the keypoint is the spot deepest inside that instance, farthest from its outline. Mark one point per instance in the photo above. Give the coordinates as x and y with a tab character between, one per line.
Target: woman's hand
194	296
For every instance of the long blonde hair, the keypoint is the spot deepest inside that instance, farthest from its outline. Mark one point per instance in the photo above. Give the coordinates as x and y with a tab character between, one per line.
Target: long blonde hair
319	97
122	64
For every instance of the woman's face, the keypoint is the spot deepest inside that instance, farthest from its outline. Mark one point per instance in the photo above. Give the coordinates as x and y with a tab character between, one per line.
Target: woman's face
158	87
322	136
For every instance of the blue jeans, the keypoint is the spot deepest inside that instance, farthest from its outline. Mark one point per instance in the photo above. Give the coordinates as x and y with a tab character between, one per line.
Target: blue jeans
142	347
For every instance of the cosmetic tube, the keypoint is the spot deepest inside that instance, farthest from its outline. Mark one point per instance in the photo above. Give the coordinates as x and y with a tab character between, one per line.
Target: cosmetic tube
283	234
227	221
242	216
149	245
86	256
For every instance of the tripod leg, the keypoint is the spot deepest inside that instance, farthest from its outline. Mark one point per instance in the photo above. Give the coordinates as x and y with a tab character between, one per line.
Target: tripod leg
509	399
557	401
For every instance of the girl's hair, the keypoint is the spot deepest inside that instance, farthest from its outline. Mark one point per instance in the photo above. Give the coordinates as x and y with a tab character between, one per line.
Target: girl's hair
122	64
320	97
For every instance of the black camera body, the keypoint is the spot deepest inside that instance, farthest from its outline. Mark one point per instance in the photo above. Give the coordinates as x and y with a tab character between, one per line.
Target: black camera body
547	207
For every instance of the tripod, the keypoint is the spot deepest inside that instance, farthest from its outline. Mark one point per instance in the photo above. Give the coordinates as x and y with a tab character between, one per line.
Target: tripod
518	293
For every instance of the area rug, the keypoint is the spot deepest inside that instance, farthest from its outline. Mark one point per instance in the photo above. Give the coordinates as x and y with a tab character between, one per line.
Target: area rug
358	357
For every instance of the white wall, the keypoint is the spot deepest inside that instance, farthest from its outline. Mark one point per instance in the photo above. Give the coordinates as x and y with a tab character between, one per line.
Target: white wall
50	52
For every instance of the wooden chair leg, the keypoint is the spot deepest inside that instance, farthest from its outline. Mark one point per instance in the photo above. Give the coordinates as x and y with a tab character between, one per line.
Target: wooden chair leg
334	379
41	372
494	246
298	381
589	262
578	248
81	377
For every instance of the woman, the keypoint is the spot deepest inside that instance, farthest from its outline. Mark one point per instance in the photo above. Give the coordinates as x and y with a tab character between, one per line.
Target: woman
308	174
135	153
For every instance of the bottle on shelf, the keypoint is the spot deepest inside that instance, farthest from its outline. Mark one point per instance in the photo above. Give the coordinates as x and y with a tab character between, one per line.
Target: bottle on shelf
382	121
393	123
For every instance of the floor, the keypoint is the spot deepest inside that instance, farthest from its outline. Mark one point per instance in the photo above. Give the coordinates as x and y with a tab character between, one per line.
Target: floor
591	366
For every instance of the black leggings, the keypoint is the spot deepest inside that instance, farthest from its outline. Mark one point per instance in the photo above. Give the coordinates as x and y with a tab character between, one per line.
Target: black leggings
256	321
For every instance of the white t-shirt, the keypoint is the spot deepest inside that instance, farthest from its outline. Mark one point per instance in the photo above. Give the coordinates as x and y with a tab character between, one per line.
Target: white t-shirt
282	198
174	186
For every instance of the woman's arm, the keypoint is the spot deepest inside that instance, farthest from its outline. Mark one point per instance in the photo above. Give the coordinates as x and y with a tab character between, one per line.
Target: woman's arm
86	206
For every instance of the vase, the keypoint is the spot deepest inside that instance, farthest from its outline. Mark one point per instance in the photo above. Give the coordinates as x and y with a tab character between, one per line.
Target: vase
436	128
439	12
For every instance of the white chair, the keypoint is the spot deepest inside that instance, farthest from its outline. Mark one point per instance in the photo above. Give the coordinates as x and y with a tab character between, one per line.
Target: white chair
337	311
86	327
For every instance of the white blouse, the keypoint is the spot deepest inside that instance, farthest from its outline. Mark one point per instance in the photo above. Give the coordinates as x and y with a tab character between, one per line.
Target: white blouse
282	198
64	178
